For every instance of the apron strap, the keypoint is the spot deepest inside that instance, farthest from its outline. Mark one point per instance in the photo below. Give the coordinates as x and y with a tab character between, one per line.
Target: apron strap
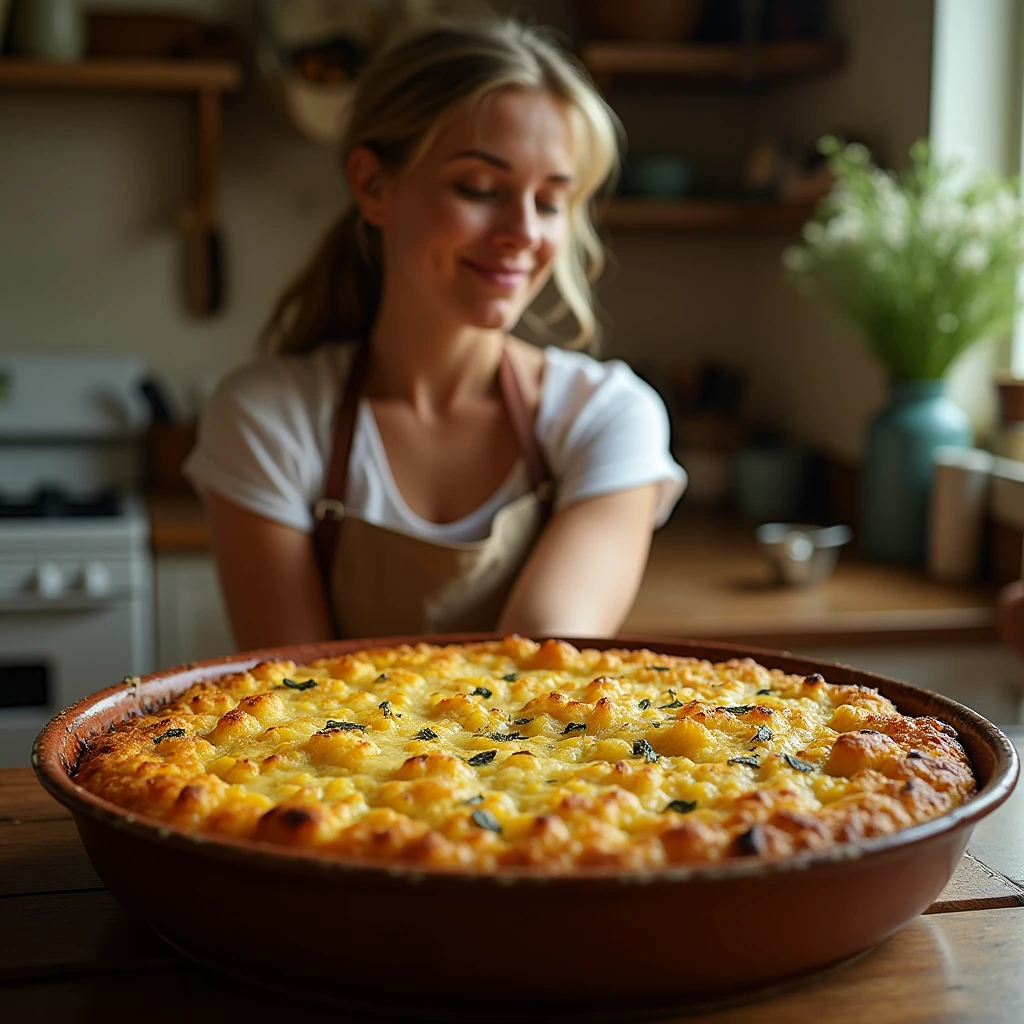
330	510
541	478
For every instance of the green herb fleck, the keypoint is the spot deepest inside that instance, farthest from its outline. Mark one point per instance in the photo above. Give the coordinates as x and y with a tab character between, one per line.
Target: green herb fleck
389	712
676	702
574	727
737	709
171	734
485	819
425	734
763	735
484	757
333	723
644	704
659	668
482	691
504	736
750	762
795	762
306	684
511	677
522	721
682	806
478	799
762	693
641	748
382	678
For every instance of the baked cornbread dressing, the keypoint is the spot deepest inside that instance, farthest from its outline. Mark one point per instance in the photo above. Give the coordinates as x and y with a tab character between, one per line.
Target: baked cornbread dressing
511	753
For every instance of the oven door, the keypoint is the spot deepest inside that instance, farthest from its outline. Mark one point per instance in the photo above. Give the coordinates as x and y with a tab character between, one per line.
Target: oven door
54	652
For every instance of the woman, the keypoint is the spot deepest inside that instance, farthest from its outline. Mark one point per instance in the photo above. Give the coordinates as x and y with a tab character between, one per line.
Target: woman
403	465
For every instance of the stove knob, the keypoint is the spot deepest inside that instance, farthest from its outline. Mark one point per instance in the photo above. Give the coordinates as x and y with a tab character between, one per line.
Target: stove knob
49	579
96	579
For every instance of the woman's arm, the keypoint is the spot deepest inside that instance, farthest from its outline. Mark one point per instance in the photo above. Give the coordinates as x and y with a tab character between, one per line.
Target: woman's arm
585	569
269	577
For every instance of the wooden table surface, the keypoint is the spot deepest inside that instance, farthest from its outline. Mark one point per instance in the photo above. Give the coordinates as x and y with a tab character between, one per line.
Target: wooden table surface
66	947
706	578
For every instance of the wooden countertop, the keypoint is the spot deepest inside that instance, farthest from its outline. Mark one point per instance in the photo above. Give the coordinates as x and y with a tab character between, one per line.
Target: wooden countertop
67	947
706	578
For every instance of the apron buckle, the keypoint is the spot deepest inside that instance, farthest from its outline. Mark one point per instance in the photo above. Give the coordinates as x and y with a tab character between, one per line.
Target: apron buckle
328	507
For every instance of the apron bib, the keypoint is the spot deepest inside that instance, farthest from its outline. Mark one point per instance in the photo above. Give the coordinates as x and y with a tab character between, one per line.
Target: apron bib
382	582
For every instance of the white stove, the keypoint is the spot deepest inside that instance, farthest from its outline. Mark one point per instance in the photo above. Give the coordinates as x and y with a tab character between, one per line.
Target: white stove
76	586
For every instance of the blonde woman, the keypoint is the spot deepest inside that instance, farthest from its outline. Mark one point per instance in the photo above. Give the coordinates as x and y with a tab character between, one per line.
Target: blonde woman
402	464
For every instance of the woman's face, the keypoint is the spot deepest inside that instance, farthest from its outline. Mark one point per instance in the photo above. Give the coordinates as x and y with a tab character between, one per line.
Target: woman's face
473	229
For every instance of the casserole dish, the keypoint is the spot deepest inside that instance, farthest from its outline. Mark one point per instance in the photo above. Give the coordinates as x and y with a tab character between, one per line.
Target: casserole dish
450	944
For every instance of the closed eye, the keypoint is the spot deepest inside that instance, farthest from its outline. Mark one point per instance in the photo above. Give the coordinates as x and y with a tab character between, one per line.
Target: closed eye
475	193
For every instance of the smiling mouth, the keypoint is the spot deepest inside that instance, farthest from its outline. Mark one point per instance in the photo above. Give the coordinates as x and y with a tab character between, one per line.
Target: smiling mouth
501	277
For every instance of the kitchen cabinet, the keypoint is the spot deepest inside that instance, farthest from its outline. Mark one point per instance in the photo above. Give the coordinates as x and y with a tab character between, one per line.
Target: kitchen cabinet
191	620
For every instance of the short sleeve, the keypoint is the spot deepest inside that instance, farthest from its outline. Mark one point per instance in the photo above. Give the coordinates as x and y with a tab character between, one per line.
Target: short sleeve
604	430
264	437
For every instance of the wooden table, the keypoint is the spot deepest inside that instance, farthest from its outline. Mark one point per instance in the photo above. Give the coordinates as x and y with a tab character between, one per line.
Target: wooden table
66	946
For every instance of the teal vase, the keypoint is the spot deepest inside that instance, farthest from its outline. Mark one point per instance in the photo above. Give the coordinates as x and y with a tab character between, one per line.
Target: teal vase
918	417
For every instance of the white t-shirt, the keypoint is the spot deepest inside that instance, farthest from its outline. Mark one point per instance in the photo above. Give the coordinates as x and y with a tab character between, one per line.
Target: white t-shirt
266	435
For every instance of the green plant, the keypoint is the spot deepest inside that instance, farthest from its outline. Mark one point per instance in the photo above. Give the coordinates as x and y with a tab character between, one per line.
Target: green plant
924	263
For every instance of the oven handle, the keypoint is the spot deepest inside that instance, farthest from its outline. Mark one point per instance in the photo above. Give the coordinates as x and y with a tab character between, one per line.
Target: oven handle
69	603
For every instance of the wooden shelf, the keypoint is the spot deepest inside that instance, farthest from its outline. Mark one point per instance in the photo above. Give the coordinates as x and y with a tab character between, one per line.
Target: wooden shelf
712	64
122	74
707	215
202	81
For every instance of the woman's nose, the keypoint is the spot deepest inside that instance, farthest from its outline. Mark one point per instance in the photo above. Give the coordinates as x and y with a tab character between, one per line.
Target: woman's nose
519	226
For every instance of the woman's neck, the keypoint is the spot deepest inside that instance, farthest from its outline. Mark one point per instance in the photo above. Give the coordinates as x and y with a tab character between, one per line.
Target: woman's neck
432	366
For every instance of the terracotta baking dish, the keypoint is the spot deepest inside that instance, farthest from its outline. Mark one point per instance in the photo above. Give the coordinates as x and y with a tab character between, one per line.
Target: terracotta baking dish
449	945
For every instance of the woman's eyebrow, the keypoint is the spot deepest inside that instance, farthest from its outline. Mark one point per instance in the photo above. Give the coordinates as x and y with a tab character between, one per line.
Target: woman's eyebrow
497	161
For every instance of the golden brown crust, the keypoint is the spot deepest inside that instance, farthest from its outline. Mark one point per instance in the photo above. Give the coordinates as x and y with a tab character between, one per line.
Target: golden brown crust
516	754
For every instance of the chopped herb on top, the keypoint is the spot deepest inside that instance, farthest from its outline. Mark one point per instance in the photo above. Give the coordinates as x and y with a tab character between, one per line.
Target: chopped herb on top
763	735
503	736
522	721
675	703
478	799
171	734
682	806
644	704
306	684
382	678
795	762
482	691
484	757
389	712
333	723
574	727
511	677
425	734
762	693
485	819
641	748
750	762
659	668
737	709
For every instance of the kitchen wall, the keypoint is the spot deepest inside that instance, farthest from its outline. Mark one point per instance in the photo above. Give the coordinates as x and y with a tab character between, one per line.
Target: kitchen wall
91	186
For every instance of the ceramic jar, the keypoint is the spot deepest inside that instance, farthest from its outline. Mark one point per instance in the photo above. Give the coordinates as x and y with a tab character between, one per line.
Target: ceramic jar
898	468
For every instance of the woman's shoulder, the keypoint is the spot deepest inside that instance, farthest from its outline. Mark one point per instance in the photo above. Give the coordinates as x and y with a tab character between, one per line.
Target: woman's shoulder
288	385
574	379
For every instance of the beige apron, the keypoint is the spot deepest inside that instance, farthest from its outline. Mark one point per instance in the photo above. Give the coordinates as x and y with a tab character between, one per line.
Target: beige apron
381	582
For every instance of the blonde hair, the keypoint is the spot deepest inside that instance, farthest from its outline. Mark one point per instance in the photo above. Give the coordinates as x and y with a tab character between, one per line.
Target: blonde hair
405	97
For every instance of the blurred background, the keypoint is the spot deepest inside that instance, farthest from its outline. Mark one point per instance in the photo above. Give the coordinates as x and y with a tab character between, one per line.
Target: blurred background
166	166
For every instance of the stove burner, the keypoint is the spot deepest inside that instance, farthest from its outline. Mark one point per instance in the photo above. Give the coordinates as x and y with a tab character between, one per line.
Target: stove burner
54	502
